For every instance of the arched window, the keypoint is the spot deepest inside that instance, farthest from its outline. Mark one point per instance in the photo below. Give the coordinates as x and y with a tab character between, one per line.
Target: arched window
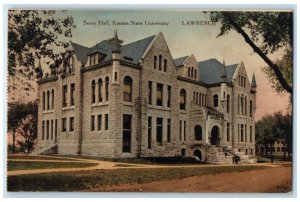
155	62
93	91
216	100
165	65
100	90
159	65
189	71
198	132
250	108
48	100
228	103
52	104
197	98
44	100
195	74
127	89
183	99
192	72
106	88
203	99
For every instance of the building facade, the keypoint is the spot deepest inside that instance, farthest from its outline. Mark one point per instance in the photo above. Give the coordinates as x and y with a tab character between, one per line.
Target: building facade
135	100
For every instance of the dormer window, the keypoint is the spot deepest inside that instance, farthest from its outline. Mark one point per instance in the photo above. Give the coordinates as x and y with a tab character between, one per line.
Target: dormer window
96	58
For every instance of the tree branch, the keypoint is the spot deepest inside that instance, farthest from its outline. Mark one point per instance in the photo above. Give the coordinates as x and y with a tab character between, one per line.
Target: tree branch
256	49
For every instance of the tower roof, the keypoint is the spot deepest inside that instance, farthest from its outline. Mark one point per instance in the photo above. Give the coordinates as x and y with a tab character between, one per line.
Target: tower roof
223	73
116	48
253	82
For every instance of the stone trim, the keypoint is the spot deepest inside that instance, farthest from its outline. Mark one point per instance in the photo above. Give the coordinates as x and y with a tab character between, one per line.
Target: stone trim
46	80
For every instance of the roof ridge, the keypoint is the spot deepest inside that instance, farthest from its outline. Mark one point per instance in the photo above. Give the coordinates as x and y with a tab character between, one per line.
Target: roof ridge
138	40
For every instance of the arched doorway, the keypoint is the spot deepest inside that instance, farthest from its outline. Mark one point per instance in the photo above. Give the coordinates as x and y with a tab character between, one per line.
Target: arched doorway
198	154
215	136
198	132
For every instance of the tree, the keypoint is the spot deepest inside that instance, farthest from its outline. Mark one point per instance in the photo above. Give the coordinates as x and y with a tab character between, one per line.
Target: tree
35	35
272	128
273	31
284	131
22	119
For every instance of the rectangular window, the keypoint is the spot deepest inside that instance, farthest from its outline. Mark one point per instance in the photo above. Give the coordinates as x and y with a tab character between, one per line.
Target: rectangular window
184	130
159	94
71	124
43	130
65	91
92	122
245	133
228	132
169	97
180	130
92	59
149	132
44	101
150	92
251	134
63	124
278	149
238	132
72	94
55	133
126	133
159	131
51	126
47	129
169	130
99	122
106	121
242	132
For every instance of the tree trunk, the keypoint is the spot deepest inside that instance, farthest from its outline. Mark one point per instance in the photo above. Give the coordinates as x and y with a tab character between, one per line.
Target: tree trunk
14	139
256	49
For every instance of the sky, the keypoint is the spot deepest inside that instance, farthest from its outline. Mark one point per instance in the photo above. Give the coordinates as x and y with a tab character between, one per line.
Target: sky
200	40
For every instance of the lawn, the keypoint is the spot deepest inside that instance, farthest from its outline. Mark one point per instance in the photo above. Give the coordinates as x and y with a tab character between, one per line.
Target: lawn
76	181
29	165
38	157
177	160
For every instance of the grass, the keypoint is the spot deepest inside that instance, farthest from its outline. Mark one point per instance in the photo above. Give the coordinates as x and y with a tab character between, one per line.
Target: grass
149	160
29	165
37	157
76	181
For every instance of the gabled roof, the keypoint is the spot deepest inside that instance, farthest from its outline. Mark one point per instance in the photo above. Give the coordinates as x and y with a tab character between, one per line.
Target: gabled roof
135	50
80	52
179	61
211	71
131	52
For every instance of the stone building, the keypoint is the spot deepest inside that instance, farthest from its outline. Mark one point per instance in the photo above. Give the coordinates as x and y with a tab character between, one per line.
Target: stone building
134	100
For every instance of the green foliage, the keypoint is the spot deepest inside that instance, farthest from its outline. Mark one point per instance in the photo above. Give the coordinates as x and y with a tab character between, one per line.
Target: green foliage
22	120
265	32
273	30
34	35
285	65
272	128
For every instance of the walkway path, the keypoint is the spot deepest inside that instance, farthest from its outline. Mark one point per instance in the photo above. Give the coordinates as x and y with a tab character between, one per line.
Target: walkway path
107	165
